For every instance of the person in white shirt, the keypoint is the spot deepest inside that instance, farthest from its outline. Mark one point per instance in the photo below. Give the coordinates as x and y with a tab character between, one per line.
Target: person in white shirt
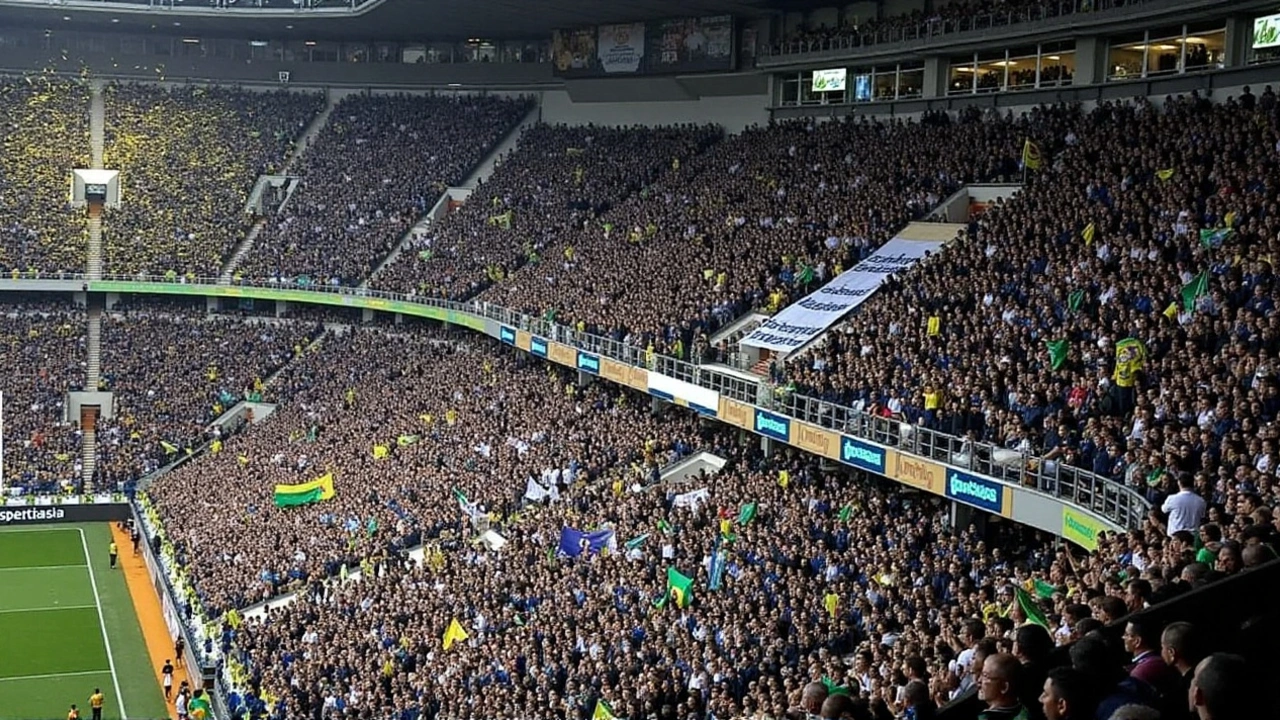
1185	508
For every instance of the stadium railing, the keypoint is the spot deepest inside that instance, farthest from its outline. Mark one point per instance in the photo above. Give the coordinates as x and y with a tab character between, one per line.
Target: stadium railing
944	30
1123	505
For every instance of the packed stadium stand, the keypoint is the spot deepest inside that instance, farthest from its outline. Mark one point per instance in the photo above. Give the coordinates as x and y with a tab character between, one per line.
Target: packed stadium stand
464	516
754	223
188	157
42	345
174	371
378	165
559	184
44	132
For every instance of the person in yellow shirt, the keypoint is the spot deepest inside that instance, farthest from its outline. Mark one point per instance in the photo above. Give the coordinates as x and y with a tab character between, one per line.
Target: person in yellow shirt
95	703
113	552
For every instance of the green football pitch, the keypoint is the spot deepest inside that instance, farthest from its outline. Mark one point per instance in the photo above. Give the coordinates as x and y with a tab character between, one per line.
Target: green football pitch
67	626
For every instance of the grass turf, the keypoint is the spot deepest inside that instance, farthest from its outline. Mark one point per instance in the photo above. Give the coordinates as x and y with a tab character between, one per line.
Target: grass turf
52	651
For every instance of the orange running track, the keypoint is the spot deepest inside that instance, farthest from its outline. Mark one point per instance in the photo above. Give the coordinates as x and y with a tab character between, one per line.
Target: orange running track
147	605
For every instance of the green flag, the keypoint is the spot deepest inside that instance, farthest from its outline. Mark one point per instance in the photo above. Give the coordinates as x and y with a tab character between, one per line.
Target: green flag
1029	608
747	513
1044	590
295	499
637	541
1058	353
846	512
1214	238
1074	300
679	589
833	687
1198	286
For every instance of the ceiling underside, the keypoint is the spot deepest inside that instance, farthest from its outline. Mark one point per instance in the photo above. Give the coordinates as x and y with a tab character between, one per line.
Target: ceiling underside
391	20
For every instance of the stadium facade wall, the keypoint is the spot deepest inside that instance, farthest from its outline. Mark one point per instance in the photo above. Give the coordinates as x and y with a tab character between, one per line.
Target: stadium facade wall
734	112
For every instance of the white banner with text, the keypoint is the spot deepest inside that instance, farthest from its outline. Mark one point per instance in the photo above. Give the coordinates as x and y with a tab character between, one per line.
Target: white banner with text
803	321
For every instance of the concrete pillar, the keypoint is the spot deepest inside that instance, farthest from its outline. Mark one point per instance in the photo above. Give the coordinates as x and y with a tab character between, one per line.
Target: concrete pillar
1239	41
211	304
366	315
585	378
961	515
767	446
936	73
399	319
1091	61
282	306
655	406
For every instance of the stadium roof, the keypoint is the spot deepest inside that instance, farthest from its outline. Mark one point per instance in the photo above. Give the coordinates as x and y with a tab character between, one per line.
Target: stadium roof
388	20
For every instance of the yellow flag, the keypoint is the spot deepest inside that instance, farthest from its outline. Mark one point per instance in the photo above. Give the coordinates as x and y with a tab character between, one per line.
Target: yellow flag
380	451
1230	219
1165	174
243	460
451	416
784	478
1088	233
935	326
1171	312
1031	155
215	447
831	601
454	634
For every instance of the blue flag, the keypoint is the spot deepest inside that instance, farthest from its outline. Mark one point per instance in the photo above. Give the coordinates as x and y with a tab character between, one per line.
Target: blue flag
574	542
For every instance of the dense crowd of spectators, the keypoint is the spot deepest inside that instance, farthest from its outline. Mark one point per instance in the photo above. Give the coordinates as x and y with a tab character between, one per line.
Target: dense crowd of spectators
188	158
557	183
42	348
1159	217
834	575
380	164
173	371
448	415
44	135
757	221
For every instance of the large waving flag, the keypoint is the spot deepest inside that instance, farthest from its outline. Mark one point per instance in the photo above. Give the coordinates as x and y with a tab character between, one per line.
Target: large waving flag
679	589
1030	608
574	542
603	711
454	633
305	493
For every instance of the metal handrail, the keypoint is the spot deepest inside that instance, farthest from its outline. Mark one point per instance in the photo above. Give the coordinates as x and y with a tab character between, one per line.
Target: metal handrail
1112	500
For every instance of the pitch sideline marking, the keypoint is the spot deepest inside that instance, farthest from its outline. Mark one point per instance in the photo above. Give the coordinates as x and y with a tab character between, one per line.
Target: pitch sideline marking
102	623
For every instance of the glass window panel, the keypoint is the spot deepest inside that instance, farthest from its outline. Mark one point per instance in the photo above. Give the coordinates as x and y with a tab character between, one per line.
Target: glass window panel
960	81
790	91
886	83
1022	68
1164	50
1124	56
991	71
911	83
1057	69
1206	47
